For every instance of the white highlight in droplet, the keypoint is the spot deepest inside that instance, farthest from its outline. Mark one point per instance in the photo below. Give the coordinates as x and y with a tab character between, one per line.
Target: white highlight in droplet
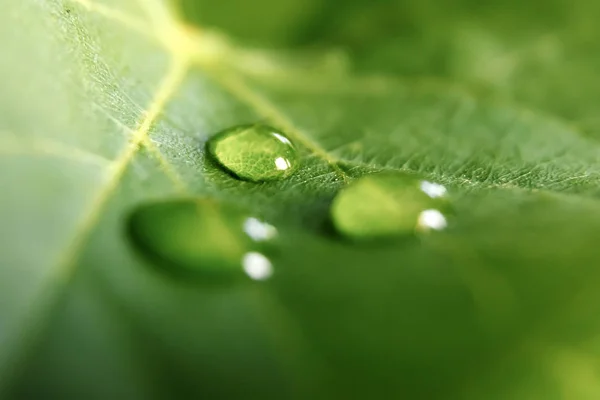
282	138
258	230
282	164
433	190
257	266
432	219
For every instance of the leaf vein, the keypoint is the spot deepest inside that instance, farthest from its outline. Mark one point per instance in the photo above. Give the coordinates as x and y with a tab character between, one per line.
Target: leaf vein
265	108
65	268
116	15
49	148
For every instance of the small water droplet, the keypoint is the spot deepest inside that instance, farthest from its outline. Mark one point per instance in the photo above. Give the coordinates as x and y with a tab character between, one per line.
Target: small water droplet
201	237
255	153
388	204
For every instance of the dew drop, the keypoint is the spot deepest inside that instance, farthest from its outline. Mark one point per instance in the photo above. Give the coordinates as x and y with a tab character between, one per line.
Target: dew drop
255	153
389	204
201	237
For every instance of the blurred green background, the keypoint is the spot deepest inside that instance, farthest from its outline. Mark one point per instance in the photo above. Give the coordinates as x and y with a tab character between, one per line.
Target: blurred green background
543	54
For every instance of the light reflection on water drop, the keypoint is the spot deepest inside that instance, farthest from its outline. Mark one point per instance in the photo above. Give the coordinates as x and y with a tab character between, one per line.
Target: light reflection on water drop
433	190
432	219
258	230
282	164
257	266
282	138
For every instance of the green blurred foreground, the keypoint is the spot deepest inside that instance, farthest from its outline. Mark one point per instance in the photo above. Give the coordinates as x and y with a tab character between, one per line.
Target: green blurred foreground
107	106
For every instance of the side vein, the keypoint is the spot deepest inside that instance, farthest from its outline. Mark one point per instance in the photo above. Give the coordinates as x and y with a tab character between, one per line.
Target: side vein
166	166
153	9
23	340
115	15
49	148
166	89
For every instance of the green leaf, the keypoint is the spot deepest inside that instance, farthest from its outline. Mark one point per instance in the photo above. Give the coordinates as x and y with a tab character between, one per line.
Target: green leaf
108	105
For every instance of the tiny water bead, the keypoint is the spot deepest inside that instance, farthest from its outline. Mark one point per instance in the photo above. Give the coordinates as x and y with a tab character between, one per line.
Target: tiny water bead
201	237
255	153
388	204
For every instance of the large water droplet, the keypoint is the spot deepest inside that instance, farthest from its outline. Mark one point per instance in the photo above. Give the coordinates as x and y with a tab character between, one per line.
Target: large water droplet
388	204
254	152
202	237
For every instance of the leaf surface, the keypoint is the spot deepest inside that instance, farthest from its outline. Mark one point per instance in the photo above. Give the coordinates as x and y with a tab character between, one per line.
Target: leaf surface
110	104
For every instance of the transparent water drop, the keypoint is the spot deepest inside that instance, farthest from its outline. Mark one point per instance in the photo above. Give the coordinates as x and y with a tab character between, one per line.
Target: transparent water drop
388	204
255	153
201	237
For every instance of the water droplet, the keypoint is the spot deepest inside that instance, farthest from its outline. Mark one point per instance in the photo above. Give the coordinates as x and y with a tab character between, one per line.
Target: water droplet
201	237
388	204
255	153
